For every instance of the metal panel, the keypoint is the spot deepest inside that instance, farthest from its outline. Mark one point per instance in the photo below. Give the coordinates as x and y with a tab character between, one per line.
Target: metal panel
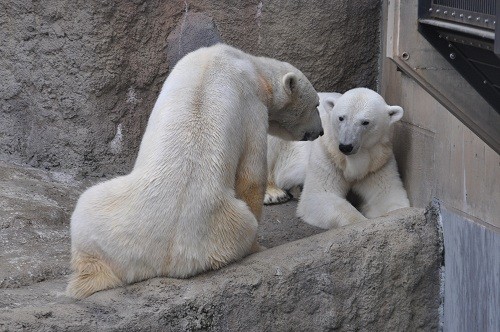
497	30
468	12
471	274
467	55
478	6
455	28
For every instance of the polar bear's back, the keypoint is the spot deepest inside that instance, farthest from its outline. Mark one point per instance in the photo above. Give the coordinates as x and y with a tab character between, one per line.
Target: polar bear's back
194	121
185	170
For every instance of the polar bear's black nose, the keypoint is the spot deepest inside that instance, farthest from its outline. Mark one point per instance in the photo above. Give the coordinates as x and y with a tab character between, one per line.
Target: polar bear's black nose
321	132
311	136
345	148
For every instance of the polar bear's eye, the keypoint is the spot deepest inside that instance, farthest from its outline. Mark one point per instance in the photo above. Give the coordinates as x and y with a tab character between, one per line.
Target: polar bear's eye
341	118
365	123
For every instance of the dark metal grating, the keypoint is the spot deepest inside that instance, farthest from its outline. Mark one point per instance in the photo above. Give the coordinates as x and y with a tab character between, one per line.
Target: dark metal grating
463	31
478	6
477	13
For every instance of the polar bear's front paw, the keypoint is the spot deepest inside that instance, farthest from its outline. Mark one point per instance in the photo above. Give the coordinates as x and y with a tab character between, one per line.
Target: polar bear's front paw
275	195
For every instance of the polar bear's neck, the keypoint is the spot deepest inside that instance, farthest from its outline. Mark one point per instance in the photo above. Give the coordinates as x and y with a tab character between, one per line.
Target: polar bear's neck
357	166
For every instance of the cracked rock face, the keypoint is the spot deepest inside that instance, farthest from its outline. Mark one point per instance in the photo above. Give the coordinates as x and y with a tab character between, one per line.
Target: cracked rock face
78	79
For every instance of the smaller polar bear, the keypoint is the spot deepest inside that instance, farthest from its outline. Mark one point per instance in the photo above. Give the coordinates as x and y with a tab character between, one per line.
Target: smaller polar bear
287	162
355	154
194	198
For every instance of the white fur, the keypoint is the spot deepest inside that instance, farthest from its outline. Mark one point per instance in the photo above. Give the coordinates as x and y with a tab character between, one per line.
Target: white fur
370	170
194	197
287	161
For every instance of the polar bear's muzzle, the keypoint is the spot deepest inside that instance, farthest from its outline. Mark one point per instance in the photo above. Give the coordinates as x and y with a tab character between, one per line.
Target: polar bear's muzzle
346	149
311	136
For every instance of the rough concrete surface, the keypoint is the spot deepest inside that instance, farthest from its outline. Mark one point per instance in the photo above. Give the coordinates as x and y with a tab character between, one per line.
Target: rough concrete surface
382	275
34	216
78	79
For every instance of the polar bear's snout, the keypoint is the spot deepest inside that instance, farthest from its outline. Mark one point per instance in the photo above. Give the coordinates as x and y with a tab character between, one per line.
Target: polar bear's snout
315	130
311	136
350	136
346	149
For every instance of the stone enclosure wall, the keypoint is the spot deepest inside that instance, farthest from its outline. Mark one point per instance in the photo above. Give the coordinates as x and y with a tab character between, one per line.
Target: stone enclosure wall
78	79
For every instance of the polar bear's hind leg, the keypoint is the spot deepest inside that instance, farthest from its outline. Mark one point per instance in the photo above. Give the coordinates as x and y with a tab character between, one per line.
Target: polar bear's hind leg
90	275
233	234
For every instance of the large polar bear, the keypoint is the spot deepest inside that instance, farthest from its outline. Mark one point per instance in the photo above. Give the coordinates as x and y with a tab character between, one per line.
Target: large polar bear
355	154
195	194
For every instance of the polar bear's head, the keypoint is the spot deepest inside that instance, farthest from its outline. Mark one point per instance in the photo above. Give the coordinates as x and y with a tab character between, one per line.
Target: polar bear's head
359	119
293	113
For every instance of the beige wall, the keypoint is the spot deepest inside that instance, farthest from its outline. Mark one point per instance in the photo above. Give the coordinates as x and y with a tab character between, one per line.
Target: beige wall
438	155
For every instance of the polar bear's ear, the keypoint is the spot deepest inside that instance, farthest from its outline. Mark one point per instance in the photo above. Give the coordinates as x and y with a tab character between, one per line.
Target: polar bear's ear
395	113
328	100
328	103
290	83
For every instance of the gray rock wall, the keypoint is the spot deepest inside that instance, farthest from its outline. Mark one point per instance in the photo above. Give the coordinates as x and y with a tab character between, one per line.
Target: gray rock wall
78	79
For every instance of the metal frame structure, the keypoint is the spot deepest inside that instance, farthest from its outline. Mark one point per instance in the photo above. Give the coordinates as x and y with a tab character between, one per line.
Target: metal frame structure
464	33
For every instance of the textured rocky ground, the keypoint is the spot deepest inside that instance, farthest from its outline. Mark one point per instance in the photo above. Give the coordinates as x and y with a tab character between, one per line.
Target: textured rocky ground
35	207
377	276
